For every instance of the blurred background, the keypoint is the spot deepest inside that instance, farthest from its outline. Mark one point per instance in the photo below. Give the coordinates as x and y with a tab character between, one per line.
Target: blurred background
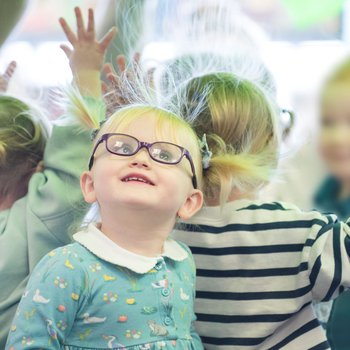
305	38
300	40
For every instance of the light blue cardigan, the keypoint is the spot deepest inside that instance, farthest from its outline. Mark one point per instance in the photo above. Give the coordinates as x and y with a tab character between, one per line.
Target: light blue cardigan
40	221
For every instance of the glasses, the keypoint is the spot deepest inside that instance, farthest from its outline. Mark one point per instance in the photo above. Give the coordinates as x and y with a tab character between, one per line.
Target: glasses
161	152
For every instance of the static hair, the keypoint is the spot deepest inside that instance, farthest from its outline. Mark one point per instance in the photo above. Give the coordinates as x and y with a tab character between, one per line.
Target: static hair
174	73
23	135
216	80
181	132
80	110
240	122
140	101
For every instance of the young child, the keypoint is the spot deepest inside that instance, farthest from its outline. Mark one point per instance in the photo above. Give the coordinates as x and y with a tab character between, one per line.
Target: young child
259	265
334	193
39	175
123	284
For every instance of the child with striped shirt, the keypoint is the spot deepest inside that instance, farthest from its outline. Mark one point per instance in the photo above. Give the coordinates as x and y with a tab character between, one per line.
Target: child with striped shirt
260	265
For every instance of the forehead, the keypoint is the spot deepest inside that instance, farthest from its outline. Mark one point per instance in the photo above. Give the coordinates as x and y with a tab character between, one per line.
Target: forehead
151	126
336	92
146	125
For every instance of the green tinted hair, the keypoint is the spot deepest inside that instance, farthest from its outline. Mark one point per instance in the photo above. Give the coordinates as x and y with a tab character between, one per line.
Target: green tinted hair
341	72
240	122
181	132
340	75
22	141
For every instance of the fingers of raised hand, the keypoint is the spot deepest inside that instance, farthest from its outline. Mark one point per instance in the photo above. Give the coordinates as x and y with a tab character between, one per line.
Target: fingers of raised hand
5	78
121	63
67	50
106	40
67	31
10	70
91	21
109	71
80	23
82	33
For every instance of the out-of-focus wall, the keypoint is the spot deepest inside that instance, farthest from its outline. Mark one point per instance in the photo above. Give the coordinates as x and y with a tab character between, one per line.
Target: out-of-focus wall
10	13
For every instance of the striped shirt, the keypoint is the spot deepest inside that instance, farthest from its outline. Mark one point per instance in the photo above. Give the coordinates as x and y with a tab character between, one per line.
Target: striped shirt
259	267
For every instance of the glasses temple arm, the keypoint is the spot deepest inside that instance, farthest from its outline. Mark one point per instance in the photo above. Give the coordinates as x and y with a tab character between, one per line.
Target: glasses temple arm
194	177
91	160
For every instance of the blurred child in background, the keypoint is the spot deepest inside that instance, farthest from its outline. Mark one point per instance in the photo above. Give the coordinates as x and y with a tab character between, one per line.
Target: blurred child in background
259	264
334	193
39	171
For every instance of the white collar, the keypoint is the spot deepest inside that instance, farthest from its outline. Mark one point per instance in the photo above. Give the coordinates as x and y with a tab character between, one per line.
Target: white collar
103	247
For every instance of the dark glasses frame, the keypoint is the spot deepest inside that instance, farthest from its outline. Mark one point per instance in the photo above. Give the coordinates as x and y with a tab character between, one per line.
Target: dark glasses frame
140	144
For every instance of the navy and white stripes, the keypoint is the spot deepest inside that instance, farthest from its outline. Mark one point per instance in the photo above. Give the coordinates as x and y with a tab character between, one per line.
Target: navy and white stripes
259	267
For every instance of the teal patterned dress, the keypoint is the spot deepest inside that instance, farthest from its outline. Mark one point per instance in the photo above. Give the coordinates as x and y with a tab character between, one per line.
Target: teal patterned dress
93	294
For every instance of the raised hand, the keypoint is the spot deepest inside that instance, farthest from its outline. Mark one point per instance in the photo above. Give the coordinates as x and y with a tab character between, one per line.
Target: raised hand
115	94
87	53
6	77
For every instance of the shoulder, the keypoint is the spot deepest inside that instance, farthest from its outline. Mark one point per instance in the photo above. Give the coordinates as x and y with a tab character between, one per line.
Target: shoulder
188	260
185	248
255	215
72	249
276	209
70	260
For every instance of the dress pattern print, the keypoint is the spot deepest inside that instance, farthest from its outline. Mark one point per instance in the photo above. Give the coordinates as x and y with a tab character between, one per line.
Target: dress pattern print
86	302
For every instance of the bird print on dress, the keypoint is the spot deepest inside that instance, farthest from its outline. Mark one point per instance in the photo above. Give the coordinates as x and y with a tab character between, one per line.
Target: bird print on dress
51	330
91	319
39	298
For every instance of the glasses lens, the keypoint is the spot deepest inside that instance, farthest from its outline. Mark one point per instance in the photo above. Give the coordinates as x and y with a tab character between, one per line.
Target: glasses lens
165	152
122	145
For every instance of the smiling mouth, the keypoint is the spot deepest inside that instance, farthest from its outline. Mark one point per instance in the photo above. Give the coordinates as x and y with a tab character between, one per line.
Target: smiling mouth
138	179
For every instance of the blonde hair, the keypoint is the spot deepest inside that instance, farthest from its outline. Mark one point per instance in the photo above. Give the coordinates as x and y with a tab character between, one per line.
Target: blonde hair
240	122
340	75
23	136
181	131
140	98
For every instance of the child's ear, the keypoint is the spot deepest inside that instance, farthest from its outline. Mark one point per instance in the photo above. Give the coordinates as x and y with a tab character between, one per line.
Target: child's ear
192	205
87	187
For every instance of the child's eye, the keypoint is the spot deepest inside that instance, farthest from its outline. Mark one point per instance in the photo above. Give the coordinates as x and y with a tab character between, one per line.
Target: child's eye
165	156
122	148
125	149
328	122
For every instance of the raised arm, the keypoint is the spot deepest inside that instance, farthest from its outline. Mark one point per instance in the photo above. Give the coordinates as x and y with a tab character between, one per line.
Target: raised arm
86	56
54	194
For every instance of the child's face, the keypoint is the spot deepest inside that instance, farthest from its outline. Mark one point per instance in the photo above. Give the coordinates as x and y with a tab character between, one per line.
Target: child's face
335	131
137	181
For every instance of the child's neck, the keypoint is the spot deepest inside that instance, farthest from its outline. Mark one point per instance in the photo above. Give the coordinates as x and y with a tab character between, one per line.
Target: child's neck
142	232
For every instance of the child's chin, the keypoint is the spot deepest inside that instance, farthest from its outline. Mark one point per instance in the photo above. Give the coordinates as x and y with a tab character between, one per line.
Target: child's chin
341	172
139	201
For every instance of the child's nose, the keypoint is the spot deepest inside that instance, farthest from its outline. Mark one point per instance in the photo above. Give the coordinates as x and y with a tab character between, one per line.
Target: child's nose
141	159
